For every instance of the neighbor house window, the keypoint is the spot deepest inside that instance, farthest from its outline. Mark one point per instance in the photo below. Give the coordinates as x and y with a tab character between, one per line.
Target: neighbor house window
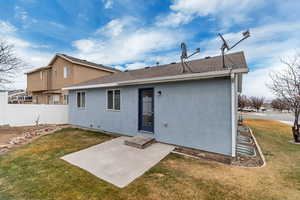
66	99
54	99
81	99
113	99
66	72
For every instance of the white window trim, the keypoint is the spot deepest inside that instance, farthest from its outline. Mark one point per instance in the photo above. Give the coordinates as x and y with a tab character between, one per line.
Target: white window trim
113	110
85	106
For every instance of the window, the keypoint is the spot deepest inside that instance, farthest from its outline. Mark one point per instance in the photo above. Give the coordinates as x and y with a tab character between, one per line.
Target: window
66	99
66	72
80	99
113	99
54	99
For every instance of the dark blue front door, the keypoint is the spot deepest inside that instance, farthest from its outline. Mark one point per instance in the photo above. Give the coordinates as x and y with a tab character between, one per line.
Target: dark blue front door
146	109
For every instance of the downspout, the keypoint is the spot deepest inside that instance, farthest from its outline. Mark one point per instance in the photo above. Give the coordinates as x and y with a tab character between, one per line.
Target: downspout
233	113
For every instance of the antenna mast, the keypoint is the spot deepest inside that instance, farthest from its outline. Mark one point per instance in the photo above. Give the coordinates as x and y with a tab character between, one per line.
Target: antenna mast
225	45
184	57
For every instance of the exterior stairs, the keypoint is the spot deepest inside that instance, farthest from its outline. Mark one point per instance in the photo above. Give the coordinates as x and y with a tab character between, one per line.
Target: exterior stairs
140	141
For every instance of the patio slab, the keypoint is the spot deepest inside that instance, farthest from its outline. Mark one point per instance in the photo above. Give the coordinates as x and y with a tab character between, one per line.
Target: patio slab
117	163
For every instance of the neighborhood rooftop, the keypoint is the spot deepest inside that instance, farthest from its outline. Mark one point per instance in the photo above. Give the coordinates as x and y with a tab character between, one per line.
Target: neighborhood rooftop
76	61
234	61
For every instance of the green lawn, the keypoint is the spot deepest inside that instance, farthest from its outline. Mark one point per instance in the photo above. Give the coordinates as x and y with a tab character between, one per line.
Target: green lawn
35	172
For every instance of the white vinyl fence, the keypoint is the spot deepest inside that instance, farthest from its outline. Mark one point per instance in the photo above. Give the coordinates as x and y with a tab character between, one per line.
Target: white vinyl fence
30	114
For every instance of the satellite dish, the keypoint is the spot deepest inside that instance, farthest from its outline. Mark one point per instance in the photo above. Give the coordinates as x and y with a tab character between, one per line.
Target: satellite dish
185	56
183	50
225	45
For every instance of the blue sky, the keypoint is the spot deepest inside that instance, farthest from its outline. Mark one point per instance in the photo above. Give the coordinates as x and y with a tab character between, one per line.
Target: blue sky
130	34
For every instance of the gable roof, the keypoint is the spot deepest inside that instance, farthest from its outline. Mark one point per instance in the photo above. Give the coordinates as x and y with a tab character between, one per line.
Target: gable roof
76	61
206	67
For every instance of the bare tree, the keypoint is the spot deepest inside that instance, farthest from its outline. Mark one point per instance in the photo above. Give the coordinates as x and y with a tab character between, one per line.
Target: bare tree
280	104
257	102
286	85
242	101
9	63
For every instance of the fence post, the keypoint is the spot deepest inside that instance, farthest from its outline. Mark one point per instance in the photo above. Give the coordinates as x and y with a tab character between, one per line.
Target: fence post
3	107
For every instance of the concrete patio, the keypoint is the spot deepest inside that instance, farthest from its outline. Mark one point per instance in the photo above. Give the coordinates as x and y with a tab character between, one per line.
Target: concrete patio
117	163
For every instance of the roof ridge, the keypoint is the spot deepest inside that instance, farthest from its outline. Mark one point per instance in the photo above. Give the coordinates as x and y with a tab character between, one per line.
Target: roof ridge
74	59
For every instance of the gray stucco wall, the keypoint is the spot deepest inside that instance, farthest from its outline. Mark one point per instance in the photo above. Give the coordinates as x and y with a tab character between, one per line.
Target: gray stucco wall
197	113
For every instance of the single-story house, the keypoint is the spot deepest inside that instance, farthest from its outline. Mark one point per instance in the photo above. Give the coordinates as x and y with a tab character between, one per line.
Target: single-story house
195	109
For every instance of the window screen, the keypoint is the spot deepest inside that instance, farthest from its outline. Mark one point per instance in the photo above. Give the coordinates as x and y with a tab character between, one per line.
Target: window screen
117	100
110	99
113	99
81	99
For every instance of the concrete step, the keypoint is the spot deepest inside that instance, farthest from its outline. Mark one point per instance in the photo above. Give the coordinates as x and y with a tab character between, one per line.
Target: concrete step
139	141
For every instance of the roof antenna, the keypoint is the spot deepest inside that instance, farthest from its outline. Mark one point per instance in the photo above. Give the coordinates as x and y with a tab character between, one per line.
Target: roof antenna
225	45
184	57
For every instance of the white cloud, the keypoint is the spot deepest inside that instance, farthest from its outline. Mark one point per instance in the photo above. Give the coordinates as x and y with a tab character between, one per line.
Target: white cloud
21	13
119	67
6	27
227	12
25	50
263	50
173	19
267	41
136	65
85	45
116	26
108	3
56	25
128	45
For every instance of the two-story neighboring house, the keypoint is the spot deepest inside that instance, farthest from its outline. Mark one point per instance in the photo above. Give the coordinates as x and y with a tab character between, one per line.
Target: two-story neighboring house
45	83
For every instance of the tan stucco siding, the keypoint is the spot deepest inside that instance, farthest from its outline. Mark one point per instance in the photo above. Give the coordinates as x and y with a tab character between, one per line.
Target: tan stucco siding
35	82
77	74
82	73
58	80
43	89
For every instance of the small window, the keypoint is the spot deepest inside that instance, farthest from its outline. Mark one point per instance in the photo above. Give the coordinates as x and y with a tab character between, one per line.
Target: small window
54	99
81	99
41	75
113	99
110	104
66	99
66	72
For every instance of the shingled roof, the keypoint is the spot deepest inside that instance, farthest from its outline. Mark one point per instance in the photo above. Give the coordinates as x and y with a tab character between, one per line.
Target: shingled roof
234	61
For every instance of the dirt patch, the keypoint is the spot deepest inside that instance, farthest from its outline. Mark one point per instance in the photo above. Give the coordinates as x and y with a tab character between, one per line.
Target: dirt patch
6	133
14	136
203	154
